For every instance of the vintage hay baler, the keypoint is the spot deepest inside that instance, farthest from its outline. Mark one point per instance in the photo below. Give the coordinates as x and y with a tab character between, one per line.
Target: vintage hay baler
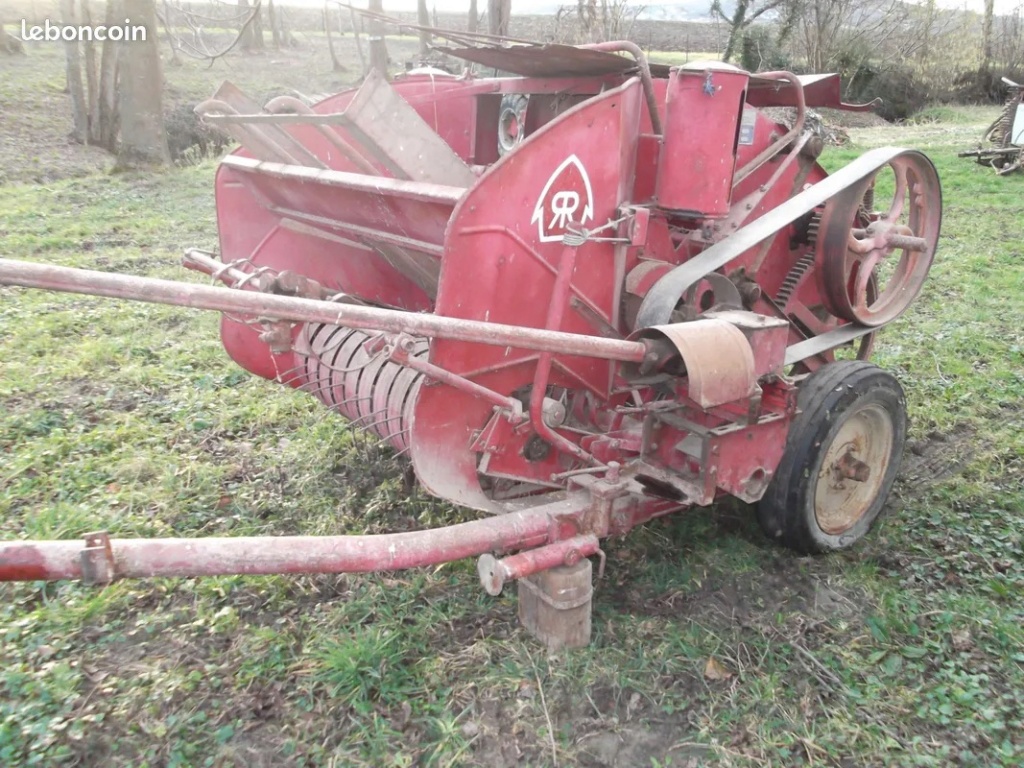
576	299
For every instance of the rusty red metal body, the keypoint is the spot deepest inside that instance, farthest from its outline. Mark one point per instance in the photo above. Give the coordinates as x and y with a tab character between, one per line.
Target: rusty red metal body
603	324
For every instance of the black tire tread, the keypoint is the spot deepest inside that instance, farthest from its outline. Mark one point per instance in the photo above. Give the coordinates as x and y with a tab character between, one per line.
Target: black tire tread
818	397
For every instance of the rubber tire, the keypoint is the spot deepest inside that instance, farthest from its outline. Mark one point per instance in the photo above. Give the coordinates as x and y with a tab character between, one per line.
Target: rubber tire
786	511
517	103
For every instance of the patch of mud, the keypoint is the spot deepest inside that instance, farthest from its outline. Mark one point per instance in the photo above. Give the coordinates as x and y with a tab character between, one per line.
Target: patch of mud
635	746
936	457
605	731
787	586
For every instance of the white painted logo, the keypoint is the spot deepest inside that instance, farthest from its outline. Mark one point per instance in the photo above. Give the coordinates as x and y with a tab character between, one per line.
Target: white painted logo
566	193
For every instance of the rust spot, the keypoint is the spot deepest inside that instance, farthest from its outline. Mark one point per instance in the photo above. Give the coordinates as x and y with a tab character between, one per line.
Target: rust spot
22	563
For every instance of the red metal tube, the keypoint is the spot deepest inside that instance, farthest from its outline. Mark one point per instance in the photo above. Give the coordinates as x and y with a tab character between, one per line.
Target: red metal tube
140	558
634	50
494	573
798	125
556	309
459	382
158	291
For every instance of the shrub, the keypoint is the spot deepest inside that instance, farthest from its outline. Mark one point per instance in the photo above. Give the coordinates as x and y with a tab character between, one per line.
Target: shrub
188	139
983	86
899	88
761	52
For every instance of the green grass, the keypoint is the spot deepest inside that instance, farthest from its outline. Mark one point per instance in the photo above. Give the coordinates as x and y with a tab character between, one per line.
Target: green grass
675	58
951	114
908	650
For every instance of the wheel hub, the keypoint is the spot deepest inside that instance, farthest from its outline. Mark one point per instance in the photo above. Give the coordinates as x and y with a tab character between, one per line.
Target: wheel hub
855	246
853	469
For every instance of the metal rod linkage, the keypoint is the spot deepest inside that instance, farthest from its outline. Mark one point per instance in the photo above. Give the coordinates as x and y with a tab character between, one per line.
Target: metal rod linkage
495	574
142	558
159	291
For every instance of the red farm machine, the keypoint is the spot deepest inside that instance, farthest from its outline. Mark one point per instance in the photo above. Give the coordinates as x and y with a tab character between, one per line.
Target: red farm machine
575	298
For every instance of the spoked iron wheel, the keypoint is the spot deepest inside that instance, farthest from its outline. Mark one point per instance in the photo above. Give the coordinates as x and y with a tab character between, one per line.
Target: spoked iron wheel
884	229
802	305
842	454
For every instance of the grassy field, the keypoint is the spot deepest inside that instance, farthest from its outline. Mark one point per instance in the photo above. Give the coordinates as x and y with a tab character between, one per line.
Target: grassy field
711	646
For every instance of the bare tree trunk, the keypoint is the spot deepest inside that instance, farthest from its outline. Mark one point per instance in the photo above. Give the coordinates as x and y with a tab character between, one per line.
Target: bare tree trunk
986	35
739	25
474	16
245	32
929	22
275	32
378	48
423	18
287	38
91	95
143	140
359	39
499	14
335	64
73	68
257	28
106	122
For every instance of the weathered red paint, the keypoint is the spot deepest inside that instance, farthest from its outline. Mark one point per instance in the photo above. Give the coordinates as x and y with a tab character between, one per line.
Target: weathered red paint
494	574
158	291
581	333
138	558
25	561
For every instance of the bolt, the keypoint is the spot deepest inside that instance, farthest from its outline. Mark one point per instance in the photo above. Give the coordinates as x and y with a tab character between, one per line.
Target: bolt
612	475
750	292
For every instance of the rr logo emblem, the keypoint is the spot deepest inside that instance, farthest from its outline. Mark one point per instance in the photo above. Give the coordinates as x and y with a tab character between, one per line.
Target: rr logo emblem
566	197
563	206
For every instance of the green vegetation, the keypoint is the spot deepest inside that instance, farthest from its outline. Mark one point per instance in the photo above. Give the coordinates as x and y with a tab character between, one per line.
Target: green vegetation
711	646
675	58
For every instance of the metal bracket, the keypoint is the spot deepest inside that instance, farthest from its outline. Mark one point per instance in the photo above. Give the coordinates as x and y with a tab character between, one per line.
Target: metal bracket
98	565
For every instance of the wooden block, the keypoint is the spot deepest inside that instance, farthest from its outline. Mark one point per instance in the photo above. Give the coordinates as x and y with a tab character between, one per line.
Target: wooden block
555	605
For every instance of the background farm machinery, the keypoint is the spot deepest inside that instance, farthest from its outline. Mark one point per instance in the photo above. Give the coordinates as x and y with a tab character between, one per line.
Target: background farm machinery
575	299
1005	136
